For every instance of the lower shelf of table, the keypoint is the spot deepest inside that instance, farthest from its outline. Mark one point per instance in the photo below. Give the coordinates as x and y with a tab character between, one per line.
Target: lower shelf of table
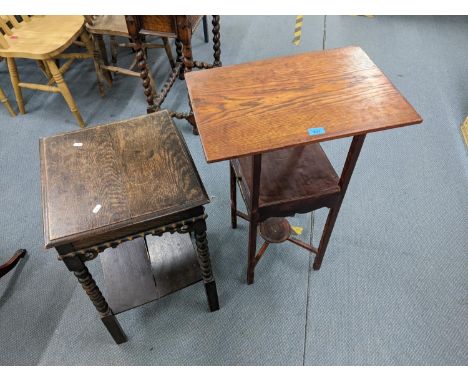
143	270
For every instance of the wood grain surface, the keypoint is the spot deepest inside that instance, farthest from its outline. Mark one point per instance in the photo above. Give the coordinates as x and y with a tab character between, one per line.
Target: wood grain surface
137	170
266	105
43	37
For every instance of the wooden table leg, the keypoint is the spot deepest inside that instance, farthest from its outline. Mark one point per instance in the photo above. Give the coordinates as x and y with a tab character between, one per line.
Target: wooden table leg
205	28
216	41
233	196
254	216
79	269
180	58
348	168
203	255
133	30
184	33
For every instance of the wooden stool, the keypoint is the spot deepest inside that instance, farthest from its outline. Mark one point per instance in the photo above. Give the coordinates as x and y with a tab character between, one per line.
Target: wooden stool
180	28
268	116
107	190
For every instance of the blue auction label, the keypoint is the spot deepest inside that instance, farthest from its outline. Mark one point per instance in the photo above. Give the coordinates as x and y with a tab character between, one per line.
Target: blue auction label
316	130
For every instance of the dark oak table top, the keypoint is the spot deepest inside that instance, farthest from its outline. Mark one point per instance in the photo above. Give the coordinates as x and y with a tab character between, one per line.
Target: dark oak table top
111	180
260	106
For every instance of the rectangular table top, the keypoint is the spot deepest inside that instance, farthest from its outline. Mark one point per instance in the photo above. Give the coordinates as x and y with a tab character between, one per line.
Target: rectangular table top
99	180
260	106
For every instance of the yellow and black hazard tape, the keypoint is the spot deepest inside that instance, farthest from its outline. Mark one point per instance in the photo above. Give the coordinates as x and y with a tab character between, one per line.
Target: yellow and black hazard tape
464	131
298	30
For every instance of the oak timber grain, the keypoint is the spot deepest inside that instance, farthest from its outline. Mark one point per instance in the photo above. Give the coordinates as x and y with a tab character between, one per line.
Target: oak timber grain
173	260
260	106
139	171
127	276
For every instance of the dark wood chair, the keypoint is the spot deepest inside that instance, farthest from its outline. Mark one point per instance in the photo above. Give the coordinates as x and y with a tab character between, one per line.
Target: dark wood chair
181	28
10	264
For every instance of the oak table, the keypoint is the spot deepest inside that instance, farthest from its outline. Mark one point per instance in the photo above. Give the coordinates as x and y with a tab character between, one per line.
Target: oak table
109	190
267	117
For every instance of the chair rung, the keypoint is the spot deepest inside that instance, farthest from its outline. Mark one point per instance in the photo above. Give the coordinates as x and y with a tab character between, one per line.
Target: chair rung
79	56
124	71
44	88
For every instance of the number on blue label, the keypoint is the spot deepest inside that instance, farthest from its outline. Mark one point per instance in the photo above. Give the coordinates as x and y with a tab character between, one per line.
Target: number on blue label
316	130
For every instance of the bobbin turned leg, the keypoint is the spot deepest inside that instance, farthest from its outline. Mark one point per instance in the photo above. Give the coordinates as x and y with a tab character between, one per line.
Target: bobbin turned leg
15	83
79	269
205	265
216	42
133	30
179	58
63	87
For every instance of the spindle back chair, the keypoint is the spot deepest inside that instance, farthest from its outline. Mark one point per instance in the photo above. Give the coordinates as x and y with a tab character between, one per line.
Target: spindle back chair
45	39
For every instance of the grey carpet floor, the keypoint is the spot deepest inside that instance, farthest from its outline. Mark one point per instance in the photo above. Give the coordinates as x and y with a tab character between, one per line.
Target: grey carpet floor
393	286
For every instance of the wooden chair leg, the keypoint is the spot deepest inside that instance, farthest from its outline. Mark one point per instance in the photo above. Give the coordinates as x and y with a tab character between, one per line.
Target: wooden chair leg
233	197
168	49
15	83
4	100
65	91
89	47
10	264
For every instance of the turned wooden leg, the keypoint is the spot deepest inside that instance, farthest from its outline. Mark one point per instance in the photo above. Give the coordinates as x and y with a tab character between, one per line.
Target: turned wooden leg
90	48
348	168
4	100
168	49
133	30
180	58
205	28
15	83
191	118
10	264
233	196
63	87
79	269
216	42
205	265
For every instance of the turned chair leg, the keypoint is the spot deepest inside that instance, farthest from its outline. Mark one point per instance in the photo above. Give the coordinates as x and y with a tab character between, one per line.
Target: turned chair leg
15	83
4	100
233	197
63	87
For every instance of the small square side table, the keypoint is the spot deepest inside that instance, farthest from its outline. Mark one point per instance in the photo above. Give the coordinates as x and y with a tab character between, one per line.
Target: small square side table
108	190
